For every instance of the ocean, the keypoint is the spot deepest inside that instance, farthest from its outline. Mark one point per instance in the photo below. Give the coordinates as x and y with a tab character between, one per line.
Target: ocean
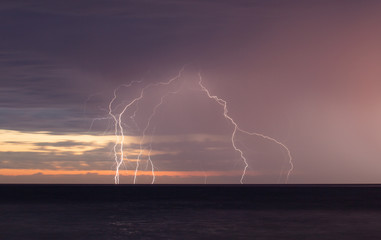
190	212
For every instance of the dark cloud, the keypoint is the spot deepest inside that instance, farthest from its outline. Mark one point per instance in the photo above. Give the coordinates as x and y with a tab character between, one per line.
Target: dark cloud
68	143
57	120
36	93
96	160
138	9
28	81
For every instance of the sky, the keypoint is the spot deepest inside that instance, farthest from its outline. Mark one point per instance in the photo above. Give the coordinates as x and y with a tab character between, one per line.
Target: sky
305	73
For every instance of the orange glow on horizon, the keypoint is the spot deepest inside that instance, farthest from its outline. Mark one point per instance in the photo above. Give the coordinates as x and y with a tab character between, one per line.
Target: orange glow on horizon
26	172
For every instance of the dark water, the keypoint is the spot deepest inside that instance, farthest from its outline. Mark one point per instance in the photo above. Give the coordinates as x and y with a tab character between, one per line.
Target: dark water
190	212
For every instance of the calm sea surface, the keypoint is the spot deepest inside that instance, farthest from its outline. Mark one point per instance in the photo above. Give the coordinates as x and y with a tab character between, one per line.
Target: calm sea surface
190	212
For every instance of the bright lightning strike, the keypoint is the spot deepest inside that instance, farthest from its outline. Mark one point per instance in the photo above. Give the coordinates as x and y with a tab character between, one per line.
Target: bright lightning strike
143	137
119	131
223	103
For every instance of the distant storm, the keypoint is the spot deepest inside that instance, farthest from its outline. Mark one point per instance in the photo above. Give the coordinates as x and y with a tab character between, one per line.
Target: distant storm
305	73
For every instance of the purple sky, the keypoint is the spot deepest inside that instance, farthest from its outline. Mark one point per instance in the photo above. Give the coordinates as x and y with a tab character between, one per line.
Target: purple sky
306	73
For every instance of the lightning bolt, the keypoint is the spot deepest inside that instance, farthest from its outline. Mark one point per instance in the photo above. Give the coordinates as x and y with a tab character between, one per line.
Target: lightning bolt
147	127
119	130
116	136
236	128
117	118
150	160
141	143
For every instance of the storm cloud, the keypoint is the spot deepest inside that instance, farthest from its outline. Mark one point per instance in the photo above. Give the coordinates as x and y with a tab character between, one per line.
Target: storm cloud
303	72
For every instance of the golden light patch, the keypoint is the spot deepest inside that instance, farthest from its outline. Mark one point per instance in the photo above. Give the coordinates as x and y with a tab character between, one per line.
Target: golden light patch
16	141
48	144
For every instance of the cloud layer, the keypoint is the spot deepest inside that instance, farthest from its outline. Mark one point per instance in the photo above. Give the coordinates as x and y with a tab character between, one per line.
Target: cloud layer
303	72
